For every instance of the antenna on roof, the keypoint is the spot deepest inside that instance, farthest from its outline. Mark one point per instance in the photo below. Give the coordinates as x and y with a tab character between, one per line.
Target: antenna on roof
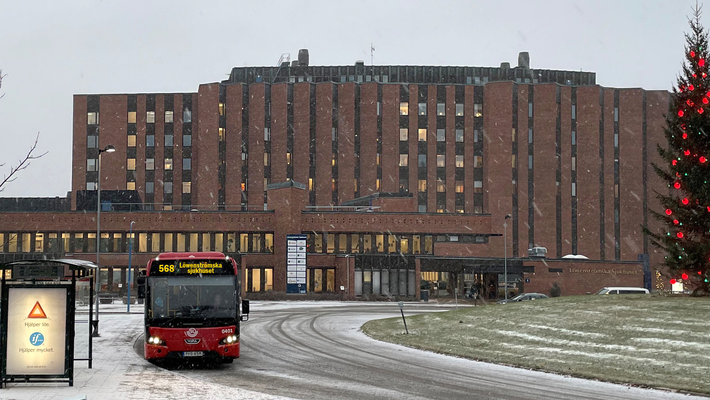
372	54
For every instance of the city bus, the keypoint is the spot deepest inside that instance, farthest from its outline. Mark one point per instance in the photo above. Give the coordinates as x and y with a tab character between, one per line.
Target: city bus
192	307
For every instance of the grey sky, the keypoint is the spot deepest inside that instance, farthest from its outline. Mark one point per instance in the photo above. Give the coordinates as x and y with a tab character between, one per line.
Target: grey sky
52	50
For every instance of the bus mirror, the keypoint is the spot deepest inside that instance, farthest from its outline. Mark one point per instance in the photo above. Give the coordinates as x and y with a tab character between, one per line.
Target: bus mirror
245	306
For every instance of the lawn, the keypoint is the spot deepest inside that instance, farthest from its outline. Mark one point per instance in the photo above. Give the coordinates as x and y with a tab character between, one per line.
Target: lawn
652	341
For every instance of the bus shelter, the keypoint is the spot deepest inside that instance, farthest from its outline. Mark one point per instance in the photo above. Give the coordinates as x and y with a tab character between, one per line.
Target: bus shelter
38	300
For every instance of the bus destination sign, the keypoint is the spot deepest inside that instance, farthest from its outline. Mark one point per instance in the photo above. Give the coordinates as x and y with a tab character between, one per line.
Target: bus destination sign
192	267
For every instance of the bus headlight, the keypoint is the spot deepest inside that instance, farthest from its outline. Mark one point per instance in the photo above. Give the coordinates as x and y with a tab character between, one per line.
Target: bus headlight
231	339
155	340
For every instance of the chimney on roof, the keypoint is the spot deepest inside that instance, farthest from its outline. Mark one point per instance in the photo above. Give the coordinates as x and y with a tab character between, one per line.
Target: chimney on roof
505	65
524	60
303	57
294	63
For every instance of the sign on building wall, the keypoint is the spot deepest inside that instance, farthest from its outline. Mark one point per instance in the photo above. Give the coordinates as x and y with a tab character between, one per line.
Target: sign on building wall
296	263
36	331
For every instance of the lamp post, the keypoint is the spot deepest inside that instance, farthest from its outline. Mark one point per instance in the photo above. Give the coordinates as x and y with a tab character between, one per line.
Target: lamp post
107	149
130	250
505	254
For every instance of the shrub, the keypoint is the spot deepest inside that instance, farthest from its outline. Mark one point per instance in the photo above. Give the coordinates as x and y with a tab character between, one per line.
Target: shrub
555	290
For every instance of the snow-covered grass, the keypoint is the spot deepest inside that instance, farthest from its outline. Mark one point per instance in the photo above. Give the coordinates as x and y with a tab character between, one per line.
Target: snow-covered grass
644	340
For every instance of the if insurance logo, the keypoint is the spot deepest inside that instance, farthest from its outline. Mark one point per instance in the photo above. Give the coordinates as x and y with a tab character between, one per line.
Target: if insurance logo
36	339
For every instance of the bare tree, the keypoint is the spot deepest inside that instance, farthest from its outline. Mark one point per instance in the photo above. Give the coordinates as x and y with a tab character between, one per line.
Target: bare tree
1	76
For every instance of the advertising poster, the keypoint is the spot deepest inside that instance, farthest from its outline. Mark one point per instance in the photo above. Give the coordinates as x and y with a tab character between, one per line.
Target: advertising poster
36	331
296	263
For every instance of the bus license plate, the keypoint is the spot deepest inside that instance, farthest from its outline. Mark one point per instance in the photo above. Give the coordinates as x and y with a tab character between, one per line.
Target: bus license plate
193	353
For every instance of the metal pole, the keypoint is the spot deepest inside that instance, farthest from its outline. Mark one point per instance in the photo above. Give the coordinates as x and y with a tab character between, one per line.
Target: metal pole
130	250
98	247
505	252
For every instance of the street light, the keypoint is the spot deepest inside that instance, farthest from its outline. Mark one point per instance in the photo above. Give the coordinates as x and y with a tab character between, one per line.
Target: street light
505	254
107	149
130	250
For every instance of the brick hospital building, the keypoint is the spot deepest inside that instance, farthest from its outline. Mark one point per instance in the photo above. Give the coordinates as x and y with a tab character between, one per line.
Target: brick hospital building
396	174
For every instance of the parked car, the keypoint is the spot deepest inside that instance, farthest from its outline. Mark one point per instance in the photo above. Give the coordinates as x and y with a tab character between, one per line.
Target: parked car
524	297
623	290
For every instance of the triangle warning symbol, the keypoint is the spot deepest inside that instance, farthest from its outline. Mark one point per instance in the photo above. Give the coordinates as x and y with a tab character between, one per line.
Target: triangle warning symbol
37	312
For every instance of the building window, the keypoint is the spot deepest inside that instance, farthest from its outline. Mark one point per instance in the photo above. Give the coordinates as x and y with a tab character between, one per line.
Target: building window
421	160
378	159
441	160
92	118
574	189
187	140
150	140
440	109
267	159
459	135
92	142
530	110
131	164
440	186
574	138
422	185
477	186
403	134
150	187
422	108
476	136
186	164
459	110
422	135
616	140
150	117
530	161
168	164
574	111
288	158
441	135
187	187
221	108
459	186
403	108
90	185
220	133
477	161
130	186
574	163
167	187
186	115
168	140
403	160
267	134
478	110
168	117
421	208
131	140
91	164
378	184
459	161
150	164
131	117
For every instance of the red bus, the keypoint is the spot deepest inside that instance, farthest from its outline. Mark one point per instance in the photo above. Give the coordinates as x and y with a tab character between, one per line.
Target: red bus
192	307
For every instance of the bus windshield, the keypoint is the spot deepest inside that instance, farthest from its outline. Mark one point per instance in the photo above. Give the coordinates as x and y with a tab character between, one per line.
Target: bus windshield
177	299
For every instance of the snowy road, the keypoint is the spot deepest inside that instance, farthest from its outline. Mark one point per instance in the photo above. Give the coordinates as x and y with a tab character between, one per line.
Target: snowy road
316	351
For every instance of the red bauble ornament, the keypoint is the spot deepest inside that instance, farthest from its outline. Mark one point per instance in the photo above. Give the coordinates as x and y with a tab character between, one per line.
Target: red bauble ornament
701	62
708	208
679	235
691	87
684	276
669	211
692	54
680	113
700	272
695	76
700	110
685	135
674	162
676	222
672	281
676	185
685	201
687	152
703	159
690	103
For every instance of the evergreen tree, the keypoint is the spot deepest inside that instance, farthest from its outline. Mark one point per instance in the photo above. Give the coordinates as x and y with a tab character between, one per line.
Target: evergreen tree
686	214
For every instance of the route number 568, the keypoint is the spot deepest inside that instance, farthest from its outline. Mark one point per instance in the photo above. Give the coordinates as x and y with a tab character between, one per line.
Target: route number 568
166	268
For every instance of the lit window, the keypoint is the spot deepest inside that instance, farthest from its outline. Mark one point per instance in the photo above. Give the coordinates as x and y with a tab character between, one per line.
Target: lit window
149	187
186	164
168	117
422	135
459	110
440	186
403	134
459	161
310	184
512	161
91	164
422	185
378	159
403	160
440	160
288	158
477	161
150	164
421	160
334	184
334	160
459	186
355	186
403	108
378	184
459	135
130	186
267	159
441	135
187	140
92	118
440	109
131	117
131	140
131	164
478	110
221	134
422	108
150	140
187	187
168	164
150	117
221	108
167	187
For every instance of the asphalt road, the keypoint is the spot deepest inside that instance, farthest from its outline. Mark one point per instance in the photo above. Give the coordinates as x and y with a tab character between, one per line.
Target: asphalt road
319	353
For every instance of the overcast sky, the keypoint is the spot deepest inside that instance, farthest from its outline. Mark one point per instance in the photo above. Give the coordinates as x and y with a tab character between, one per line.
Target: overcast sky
52	50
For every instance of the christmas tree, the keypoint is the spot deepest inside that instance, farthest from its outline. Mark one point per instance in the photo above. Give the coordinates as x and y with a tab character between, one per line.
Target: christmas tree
686	214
